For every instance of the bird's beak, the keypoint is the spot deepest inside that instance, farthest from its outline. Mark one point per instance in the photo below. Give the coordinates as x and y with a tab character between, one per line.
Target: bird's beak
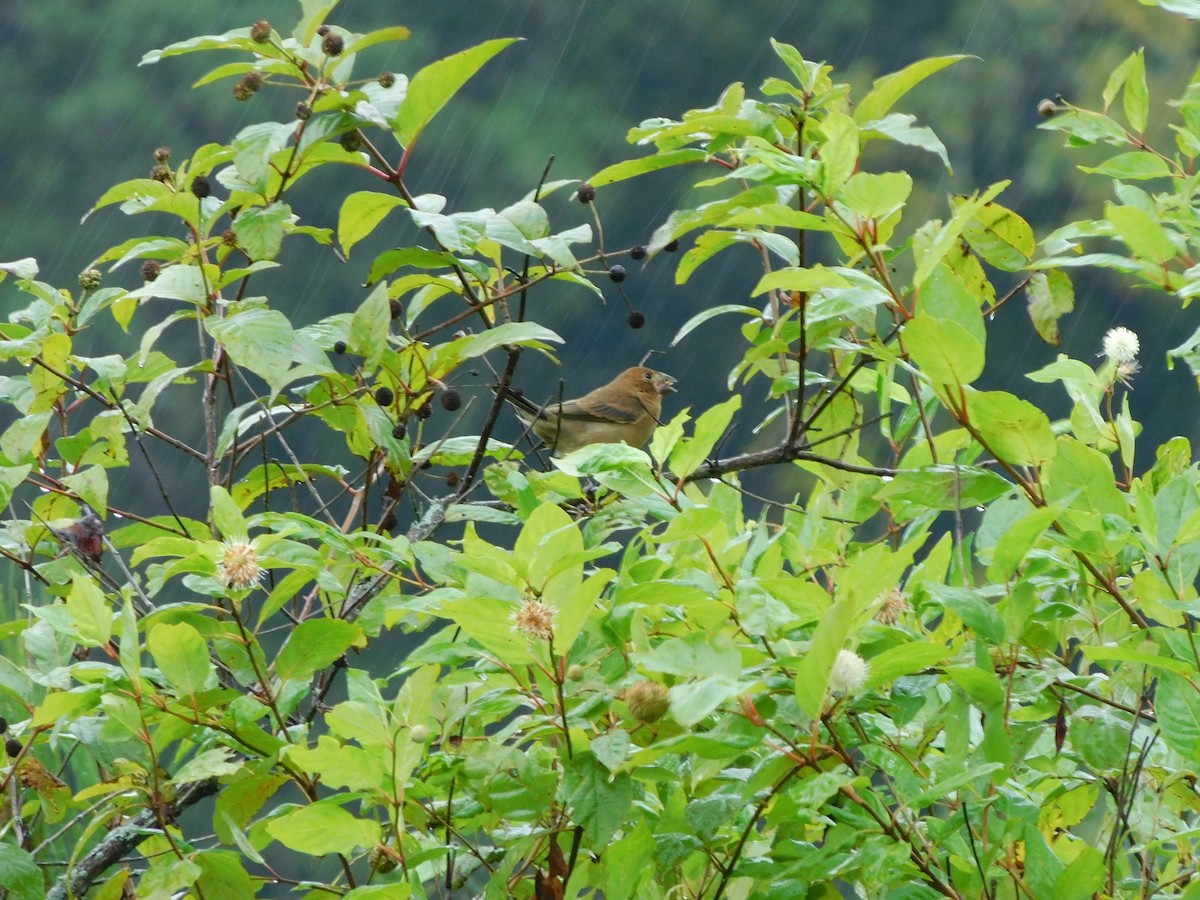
664	383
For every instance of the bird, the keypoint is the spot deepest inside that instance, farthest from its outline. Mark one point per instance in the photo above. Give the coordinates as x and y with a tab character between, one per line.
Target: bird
84	536
624	410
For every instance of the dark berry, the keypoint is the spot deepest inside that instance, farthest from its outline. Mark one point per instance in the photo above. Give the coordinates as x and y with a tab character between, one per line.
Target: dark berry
425	411
351	141
229	237
587	193
162	154
260	31
161	172
636	319
671	247
617	274
339	347
3	724
333	44
452	479
451	399
399	430
150	269
323	30
395	308
12	747
386	79
201	187
303	111
384	395
638	252
389	522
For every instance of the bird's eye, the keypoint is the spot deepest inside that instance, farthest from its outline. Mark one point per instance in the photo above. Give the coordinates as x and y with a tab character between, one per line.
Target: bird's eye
648	375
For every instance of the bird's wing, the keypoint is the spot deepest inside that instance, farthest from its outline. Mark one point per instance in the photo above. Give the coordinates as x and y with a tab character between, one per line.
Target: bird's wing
592	410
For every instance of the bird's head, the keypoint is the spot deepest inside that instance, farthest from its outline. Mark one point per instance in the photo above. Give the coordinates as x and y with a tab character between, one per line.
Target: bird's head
647	380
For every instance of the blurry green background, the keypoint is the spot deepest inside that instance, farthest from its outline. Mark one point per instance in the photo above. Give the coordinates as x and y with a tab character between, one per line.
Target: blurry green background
80	114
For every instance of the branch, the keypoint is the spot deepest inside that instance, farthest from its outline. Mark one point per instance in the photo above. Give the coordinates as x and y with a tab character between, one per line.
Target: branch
76	881
781	454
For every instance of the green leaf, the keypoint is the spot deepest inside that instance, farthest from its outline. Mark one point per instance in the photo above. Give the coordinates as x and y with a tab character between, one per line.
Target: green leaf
812	674
930	253
999	235
339	765
612	748
950	487
181	654
877	196
260	230
1130	76
315	644
1015	430
323	828
222	876
360	213
1051	296
218	762
19	873
176	283
945	351
260	340
90	613
633	167
379	36
370	327
1018	539
977	613
1177	705
711	313
1132	166
838	151
433	86
691	452
226	515
1143	234
903	130
599	801
527	334
905	659
21	268
889	88
253	148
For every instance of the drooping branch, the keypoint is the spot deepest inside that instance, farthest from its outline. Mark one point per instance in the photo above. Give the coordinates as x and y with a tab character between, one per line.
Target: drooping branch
76	881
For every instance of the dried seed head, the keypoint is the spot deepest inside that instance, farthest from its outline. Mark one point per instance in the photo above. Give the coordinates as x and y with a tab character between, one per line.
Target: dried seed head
894	606
535	619
238	565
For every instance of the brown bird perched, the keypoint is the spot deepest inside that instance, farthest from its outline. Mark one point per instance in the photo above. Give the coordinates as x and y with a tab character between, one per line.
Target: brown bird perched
626	409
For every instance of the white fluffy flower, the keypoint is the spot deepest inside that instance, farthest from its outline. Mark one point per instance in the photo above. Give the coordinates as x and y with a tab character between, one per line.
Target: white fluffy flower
1121	345
849	673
